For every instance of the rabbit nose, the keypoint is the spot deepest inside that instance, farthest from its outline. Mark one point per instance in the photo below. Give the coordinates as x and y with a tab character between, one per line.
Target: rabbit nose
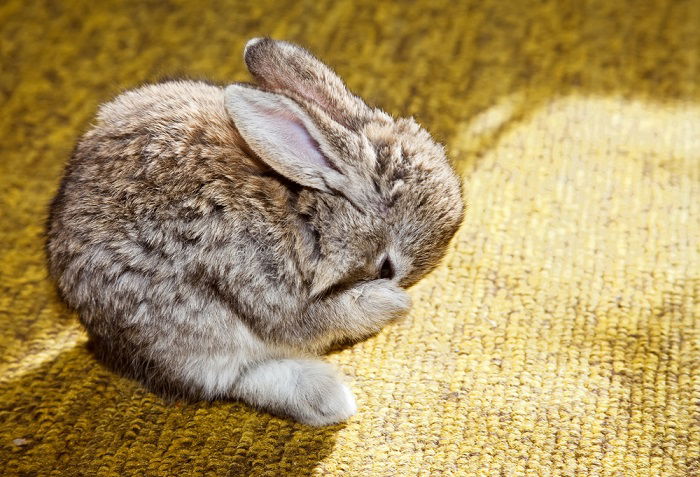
387	269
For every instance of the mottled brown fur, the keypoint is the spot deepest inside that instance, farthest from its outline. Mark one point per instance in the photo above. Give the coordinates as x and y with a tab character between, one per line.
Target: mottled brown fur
193	261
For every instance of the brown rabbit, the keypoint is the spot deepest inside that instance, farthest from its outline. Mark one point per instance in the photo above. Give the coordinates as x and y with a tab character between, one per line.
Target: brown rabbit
214	241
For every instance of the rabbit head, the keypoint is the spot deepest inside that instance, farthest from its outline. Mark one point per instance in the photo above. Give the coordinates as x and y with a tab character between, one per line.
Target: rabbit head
378	197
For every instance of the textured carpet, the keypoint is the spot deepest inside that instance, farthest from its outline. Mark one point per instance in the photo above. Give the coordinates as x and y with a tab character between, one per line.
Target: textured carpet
559	337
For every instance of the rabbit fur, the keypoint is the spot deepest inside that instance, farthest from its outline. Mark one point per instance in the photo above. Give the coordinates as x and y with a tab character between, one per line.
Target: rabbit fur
215	240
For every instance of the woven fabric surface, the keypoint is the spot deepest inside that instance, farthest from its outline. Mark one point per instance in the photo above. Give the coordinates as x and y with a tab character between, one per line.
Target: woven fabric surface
560	336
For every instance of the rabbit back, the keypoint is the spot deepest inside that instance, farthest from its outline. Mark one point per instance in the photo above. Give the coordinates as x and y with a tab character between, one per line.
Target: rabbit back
160	205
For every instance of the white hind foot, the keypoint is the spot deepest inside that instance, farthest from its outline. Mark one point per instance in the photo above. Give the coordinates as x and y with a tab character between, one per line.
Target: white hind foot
307	390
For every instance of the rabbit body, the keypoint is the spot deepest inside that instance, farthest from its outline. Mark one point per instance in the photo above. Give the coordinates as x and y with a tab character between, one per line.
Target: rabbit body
215	240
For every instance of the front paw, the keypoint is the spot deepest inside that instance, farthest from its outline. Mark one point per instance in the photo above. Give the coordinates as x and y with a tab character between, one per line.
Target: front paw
382	299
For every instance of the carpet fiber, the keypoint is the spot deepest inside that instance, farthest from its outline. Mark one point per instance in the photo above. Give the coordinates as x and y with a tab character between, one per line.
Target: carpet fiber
559	337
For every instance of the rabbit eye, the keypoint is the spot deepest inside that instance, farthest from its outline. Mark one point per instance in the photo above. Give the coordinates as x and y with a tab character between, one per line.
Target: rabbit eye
386	270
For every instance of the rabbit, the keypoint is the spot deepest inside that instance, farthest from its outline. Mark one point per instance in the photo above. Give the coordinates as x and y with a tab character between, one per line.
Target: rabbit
216	240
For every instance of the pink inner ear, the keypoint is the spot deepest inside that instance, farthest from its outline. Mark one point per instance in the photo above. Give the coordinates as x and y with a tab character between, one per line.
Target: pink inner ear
296	137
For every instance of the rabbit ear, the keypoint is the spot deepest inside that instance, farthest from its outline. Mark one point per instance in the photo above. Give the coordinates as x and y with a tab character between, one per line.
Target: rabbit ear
283	135
283	66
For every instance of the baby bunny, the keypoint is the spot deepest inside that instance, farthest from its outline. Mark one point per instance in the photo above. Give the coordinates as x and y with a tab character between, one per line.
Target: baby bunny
214	241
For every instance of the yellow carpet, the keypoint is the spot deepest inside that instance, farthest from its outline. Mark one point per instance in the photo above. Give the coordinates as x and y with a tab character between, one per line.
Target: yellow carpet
561	334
